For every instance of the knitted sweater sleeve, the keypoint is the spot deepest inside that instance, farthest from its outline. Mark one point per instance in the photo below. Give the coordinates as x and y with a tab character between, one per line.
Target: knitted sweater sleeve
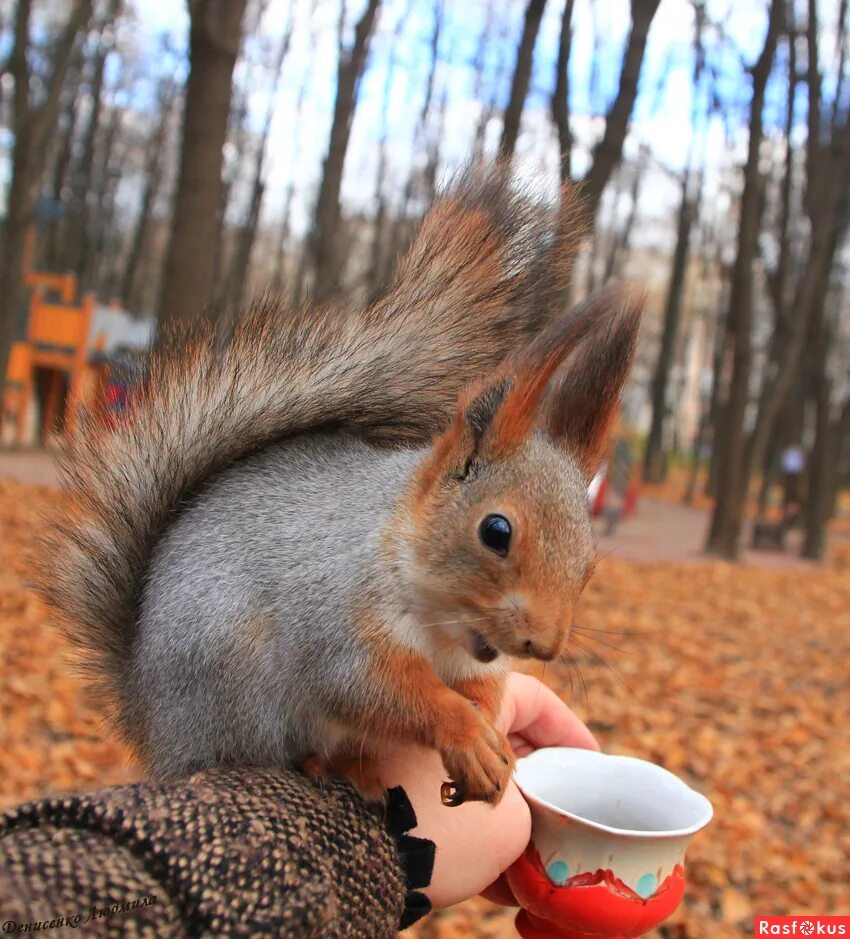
225	853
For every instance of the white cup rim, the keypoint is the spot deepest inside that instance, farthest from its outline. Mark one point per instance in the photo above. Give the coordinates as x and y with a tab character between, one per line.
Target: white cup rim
698	803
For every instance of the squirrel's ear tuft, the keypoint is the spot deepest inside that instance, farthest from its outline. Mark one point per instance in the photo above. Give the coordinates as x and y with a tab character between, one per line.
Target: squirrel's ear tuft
455	449
471	432
584	399
481	404
596	339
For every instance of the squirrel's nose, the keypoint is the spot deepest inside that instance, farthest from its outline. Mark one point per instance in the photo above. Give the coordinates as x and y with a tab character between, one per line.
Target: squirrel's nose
536	652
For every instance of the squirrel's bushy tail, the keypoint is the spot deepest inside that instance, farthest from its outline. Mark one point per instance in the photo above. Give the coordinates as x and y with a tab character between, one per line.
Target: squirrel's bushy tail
484	271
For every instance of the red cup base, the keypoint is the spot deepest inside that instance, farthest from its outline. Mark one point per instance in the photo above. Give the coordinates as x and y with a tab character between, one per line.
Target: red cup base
532	927
588	906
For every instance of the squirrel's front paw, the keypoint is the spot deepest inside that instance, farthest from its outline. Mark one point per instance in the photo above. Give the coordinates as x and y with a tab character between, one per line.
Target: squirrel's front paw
359	769
478	759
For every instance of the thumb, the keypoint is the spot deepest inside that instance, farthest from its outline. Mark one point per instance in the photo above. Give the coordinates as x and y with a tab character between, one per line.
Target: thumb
535	717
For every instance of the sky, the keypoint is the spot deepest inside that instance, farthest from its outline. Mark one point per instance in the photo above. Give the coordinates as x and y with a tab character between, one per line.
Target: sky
661	120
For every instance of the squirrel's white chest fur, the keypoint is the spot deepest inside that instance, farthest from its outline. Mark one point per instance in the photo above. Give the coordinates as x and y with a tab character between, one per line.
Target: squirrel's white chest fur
450	657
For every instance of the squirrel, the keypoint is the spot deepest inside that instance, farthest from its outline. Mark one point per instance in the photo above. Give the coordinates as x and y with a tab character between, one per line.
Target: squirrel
328	531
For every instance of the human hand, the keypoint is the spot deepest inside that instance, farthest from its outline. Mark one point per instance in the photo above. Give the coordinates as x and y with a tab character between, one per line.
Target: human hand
476	842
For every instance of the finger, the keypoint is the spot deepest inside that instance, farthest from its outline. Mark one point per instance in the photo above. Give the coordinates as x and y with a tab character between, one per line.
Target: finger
520	745
537	715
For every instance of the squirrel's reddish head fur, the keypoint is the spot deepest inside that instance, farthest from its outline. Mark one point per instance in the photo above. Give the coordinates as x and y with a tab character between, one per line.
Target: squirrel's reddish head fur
522	449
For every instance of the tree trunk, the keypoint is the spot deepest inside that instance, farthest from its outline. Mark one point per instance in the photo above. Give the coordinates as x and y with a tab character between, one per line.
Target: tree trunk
99	268
715	412
432	163
237	143
323	241
841	470
52	256
77	232
479	63
696	459
608	152
827	173
378	266
238	276
822	456
689	207
153	181
521	78
189	264
725	531
770	468
560	103
31	126
653	464
20	215
278	278
777	282
622	239
809	296
421	143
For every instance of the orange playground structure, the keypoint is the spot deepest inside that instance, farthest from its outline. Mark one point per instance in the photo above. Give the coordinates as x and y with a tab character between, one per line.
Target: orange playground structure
52	361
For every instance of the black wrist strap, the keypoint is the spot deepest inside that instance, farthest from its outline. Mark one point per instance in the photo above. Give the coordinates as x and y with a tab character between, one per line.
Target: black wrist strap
417	855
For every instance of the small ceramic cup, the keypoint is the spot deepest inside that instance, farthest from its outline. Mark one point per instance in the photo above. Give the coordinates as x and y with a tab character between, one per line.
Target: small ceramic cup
607	849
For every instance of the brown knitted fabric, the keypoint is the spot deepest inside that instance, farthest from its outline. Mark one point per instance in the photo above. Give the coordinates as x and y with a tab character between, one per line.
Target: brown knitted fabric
228	853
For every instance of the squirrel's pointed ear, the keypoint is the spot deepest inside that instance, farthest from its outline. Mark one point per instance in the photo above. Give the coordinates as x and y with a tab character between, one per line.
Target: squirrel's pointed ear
454	450
583	401
496	414
596	340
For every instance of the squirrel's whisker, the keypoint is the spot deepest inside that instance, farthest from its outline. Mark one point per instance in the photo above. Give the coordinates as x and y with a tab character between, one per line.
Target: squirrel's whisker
603	642
580	627
574	666
542	676
452	622
624	633
596	658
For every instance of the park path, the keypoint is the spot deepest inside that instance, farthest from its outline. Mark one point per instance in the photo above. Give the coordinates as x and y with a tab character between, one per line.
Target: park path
28	466
661	530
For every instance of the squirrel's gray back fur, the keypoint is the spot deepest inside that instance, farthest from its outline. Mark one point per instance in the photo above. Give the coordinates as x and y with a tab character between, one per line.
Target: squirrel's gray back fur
244	633
485	271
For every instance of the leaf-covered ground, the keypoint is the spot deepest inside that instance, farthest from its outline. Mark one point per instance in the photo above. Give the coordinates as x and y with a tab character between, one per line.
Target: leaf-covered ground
734	677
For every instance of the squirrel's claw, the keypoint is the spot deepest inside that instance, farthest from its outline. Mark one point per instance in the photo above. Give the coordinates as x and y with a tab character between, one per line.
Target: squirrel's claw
453	793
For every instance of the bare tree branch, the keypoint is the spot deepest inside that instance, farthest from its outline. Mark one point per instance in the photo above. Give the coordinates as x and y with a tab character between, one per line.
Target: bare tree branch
560	103
323	241
521	78
607	153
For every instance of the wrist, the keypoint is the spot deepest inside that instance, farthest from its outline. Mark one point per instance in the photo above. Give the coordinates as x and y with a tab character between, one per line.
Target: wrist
475	842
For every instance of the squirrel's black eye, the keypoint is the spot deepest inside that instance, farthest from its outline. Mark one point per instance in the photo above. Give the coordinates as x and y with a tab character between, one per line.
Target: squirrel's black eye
495	534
